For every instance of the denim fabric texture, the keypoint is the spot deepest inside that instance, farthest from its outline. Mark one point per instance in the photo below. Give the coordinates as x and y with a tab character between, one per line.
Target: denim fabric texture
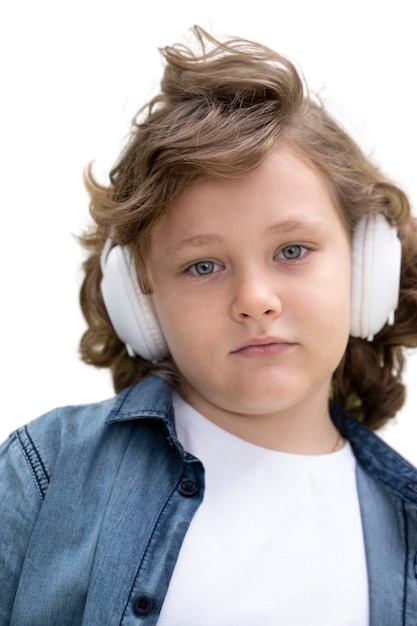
95	502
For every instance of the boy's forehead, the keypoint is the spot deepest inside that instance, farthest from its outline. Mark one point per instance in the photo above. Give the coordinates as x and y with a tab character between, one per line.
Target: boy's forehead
286	187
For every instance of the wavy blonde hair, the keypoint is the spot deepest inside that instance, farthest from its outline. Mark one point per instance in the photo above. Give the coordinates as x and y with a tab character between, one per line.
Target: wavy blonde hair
222	107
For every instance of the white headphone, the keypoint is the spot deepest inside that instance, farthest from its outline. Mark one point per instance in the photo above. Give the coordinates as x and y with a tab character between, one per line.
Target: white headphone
376	272
376	267
131	312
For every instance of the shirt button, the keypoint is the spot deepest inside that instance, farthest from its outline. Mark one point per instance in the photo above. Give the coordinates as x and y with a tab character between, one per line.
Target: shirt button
142	605
188	488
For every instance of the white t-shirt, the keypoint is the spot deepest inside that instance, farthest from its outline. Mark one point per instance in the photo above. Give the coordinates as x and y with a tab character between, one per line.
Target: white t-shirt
277	540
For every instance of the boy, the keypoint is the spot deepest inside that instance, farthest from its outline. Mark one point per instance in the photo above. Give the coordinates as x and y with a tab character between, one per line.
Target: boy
245	266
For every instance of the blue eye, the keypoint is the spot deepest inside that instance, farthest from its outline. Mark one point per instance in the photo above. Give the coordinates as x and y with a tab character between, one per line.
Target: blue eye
203	268
293	252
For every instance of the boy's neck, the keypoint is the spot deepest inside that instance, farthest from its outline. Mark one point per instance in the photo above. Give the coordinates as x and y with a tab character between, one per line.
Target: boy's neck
303	429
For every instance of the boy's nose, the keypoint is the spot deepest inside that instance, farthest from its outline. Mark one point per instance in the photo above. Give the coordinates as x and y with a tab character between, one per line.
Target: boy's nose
255	298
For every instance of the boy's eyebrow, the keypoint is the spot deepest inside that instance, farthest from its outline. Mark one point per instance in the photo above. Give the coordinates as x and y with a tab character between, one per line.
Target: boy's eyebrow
196	241
287	226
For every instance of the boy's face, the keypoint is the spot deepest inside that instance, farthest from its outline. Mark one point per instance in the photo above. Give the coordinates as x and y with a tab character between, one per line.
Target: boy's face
251	281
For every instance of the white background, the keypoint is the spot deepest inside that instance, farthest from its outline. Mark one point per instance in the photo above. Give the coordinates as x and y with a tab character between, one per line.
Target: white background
72	76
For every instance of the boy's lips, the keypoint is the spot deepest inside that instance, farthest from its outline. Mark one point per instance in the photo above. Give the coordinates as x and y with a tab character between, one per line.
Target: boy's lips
263	345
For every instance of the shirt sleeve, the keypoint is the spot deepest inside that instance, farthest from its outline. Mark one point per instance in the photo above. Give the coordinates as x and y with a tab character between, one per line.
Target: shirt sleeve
20	501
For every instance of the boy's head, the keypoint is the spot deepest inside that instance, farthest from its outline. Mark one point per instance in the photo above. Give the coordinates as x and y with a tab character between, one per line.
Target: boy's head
222	110
251	288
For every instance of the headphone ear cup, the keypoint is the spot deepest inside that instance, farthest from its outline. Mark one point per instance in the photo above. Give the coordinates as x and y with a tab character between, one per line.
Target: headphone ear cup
131	312
376	270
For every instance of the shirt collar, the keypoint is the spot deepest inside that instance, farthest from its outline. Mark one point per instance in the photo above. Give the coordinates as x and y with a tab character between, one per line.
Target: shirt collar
151	398
377	457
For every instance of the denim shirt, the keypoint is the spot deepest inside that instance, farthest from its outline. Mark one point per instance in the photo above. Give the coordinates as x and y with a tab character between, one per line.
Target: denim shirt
96	500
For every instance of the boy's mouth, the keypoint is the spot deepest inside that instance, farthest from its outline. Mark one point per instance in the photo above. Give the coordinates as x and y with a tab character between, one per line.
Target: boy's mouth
263	346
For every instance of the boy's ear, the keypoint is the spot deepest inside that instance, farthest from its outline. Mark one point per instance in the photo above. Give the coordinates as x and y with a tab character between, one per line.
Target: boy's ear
131	312
376	270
